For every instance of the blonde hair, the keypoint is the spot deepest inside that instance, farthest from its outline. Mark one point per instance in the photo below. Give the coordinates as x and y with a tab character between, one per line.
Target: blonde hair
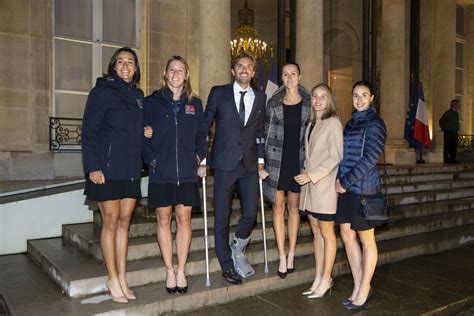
332	105
187	89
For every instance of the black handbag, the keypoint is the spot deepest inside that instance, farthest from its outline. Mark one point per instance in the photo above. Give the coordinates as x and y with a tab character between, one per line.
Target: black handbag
373	206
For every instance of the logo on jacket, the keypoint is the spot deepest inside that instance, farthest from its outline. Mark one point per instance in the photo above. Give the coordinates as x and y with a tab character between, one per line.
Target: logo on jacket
140	103
190	109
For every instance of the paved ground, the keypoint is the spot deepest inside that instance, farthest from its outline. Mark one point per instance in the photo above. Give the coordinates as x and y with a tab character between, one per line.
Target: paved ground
439	284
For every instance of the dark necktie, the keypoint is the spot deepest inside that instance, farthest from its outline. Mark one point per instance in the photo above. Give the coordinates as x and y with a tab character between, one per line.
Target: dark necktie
242	107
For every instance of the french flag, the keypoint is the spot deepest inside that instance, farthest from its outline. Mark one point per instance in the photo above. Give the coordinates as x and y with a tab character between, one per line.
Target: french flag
272	83
421	131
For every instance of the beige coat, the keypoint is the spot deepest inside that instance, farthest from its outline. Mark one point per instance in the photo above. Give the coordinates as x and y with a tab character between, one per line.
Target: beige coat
323	154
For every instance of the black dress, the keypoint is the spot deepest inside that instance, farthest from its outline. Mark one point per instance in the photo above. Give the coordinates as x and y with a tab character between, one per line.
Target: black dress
290	158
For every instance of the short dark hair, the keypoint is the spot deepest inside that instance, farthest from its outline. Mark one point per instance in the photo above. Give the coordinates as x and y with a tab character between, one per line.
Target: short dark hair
241	55
113	60
454	101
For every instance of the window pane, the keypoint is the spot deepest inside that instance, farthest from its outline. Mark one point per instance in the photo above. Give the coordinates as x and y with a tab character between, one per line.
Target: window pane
459	81
119	22
70	105
73	68
459	20
459	55
107	53
73	18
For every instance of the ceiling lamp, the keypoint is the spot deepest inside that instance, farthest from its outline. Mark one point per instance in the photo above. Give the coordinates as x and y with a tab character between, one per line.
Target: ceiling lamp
246	36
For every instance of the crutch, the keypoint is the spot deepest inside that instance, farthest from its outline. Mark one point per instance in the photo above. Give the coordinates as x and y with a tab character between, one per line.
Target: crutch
206	245
263	227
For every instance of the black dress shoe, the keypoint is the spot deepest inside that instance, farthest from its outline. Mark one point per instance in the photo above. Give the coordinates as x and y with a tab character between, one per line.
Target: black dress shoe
232	277
182	290
355	308
171	290
282	274
346	301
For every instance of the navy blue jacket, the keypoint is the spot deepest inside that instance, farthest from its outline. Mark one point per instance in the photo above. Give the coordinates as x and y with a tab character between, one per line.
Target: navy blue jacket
359	174
112	129
179	137
232	140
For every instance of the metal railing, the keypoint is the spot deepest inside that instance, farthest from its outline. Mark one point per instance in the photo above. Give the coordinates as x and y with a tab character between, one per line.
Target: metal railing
65	134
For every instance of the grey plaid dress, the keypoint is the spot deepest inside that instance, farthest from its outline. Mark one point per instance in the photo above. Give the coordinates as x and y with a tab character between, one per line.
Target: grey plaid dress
274	136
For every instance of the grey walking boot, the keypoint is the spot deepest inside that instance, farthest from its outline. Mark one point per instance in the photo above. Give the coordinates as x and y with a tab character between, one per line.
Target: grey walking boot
241	265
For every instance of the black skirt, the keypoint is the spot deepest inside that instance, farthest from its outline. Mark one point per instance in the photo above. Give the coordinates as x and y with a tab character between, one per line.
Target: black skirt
112	190
348	211
166	194
319	216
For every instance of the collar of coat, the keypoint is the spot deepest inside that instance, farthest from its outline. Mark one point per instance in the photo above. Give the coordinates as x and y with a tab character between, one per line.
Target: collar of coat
276	101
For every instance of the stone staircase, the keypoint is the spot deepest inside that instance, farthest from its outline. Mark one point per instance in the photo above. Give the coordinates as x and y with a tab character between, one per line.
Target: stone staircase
431	210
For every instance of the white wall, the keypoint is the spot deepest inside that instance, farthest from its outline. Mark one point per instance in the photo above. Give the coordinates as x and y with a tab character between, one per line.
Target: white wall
42	217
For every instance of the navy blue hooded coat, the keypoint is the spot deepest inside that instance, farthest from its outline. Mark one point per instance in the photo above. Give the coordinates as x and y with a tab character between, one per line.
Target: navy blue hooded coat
359	173
112	129
179	137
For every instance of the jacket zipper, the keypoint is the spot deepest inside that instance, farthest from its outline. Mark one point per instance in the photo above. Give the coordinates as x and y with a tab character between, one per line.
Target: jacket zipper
176	130
108	156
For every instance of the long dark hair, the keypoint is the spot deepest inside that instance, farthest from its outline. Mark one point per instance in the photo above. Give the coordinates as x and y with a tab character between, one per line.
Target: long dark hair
113	60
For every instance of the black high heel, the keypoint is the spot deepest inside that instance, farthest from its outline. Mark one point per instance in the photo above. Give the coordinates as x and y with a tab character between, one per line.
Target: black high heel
346	301
171	290
182	290
282	274
355	307
290	270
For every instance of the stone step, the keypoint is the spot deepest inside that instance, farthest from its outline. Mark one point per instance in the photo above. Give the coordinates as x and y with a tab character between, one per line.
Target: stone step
143	241
87	238
426	169
220	292
79	274
146	226
152	298
430	196
406	183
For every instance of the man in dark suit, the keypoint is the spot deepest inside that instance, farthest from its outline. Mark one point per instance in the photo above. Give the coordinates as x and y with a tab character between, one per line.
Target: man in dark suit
236	157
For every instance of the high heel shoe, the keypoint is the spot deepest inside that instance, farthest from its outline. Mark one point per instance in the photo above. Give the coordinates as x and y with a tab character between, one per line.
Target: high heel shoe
354	307
290	270
128	293
181	289
280	273
116	299
170	290
346	302
321	295
312	288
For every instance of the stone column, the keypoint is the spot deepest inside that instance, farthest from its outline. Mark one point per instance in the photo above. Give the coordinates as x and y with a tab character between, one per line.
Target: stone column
309	40
467	105
214	45
437	65
394	78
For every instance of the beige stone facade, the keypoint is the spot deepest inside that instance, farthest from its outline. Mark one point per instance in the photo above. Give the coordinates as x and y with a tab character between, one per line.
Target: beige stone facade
328	48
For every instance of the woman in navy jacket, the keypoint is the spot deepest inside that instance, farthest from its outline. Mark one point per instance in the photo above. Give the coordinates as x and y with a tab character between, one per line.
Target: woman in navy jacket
178	145
358	174
112	134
